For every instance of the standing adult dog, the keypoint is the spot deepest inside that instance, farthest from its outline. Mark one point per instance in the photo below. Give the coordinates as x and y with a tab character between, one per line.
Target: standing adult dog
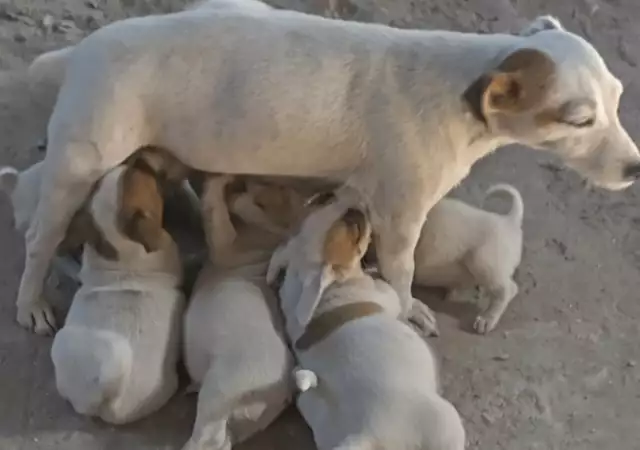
399	115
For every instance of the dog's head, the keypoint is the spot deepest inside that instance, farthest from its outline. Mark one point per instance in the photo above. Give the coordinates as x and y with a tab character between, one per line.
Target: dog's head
554	92
23	189
327	249
124	214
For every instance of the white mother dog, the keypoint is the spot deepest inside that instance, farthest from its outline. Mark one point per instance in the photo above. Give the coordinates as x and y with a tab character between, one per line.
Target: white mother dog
400	115
115	358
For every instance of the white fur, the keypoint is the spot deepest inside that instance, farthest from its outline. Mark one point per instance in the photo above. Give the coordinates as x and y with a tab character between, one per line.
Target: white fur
234	339
115	358
228	92
376	378
461	246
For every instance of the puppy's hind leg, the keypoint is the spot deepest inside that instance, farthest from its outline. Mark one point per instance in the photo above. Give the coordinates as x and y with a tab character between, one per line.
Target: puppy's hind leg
501	288
69	175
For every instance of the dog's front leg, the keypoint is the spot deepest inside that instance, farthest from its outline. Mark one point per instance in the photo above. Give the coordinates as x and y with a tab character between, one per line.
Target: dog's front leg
396	241
66	184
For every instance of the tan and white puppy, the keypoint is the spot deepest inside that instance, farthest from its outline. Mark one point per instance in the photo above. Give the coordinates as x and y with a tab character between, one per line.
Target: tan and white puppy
369	381
235	347
461	246
115	358
401	117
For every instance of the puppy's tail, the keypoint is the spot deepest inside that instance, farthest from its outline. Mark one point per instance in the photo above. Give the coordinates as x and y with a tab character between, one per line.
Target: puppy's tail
305	379
517	205
89	366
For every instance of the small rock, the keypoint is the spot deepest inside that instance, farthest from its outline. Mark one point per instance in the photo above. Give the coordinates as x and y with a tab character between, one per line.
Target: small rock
19	37
488	418
47	22
502	357
631	363
93	4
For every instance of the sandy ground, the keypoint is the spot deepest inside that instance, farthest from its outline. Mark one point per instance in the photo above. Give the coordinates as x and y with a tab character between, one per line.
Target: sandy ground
560	371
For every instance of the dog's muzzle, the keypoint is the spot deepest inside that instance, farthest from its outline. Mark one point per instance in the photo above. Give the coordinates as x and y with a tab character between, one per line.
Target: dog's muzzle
631	172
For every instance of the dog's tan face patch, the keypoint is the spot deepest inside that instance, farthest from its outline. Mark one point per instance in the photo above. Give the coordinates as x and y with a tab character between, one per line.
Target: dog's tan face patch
141	206
342	246
84	230
277	202
518	84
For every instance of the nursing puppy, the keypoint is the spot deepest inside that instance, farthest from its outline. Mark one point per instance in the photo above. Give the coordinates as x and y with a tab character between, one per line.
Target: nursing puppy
234	338
461	246
115	358
401	118
368	380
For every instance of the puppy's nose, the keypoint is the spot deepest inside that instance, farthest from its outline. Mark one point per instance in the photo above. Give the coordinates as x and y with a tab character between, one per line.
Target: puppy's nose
631	171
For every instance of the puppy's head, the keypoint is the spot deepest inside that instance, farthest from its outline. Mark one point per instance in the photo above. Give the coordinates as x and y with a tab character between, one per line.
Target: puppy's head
267	205
23	189
553	91
124	211
328	249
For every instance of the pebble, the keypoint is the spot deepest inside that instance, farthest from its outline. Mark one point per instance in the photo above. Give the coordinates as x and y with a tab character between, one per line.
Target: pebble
502	357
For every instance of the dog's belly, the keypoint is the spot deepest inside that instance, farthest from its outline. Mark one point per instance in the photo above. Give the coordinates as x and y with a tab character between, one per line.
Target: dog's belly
442	275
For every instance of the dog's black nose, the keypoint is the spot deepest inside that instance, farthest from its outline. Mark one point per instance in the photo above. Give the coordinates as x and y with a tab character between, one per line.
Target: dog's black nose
631	171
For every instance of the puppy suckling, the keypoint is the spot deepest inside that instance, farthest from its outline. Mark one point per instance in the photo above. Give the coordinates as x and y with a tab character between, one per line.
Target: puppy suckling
461	246
234	340
116	356
370	380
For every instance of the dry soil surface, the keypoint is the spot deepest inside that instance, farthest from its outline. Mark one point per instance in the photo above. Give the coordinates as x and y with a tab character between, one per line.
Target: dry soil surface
560	371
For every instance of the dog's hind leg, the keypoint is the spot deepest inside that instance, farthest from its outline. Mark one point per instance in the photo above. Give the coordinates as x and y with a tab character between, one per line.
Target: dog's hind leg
501	288
69	175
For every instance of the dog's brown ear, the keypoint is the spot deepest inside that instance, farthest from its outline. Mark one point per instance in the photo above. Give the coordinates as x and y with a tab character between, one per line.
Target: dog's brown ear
519	83
83	230
141	208
342	246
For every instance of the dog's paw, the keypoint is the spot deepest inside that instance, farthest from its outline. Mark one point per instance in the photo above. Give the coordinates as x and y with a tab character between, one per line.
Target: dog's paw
423	318
484	324
37	317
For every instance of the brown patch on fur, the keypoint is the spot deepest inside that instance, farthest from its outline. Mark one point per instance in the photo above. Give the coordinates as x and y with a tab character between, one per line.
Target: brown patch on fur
276	202
326	323
519	83
342	244
141	205
84	230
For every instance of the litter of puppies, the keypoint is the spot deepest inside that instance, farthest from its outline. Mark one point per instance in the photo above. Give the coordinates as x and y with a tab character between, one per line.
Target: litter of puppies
281	308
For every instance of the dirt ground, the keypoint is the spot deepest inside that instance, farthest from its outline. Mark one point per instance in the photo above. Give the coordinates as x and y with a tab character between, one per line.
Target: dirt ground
562	369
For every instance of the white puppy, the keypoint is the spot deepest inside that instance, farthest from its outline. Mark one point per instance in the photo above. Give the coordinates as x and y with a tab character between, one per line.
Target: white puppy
234	338
115	358
461	246
375	378
401	117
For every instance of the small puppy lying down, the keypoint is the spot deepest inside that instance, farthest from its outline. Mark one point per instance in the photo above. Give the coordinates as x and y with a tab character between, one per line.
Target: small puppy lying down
368	380
115	358
234	338
461	246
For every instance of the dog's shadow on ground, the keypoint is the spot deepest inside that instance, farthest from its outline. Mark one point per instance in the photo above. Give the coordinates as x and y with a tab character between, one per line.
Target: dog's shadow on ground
464	307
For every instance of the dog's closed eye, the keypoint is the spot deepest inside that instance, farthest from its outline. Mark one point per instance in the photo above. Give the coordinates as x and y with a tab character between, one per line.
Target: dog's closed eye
579	114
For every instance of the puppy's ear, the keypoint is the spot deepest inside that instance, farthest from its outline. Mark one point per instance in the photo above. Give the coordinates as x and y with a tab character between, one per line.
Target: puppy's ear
8	179
277	263
345	239
83	229
519	83
141	208
541	23
312	289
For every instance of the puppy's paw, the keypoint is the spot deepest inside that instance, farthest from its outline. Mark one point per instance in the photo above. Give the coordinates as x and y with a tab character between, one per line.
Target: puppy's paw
423	318
37	317
485	323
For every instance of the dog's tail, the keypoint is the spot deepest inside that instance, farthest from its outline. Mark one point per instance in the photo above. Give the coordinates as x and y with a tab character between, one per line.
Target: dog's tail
89	366
305	379
517	206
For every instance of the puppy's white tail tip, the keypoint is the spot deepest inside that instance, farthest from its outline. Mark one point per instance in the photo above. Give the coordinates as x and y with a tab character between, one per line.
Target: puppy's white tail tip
517	207
305	379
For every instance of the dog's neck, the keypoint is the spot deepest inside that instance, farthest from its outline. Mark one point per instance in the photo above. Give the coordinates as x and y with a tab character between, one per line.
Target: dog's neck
133	263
